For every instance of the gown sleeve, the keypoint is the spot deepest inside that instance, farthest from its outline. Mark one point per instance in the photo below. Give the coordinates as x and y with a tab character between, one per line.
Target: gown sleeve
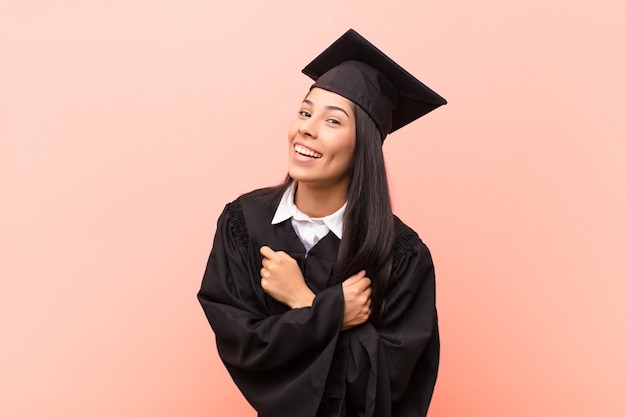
409	333
279	361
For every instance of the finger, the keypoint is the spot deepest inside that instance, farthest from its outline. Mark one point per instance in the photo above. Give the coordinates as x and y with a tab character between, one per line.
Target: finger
267	252
364	284
265	262
368	292
348	281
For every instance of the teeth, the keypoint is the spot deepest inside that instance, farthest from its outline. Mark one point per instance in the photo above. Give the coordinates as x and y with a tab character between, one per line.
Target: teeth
306	151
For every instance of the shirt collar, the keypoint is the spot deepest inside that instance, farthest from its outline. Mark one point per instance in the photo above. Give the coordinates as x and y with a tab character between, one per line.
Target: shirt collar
287	209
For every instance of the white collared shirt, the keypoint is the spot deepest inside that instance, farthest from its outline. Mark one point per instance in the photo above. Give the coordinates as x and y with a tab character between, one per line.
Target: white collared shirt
309	229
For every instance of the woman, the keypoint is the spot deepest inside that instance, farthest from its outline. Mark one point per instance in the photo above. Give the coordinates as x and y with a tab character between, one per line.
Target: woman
321	300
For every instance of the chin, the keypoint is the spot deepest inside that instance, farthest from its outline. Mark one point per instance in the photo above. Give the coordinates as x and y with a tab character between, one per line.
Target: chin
299	178
297	174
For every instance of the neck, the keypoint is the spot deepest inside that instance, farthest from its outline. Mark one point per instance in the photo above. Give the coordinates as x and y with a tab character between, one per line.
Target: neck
315	201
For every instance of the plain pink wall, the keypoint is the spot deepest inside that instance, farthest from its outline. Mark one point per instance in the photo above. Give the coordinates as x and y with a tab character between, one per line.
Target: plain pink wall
125	126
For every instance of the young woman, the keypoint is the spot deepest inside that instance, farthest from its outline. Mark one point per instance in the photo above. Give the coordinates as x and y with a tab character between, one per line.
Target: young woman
321	300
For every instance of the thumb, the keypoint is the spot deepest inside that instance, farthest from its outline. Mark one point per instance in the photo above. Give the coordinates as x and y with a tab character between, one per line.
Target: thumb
357	277
267	252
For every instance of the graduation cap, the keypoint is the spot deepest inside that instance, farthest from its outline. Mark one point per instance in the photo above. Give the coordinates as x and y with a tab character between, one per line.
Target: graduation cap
355	69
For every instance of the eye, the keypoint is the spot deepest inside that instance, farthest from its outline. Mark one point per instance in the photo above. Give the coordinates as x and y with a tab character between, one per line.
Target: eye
333	121
304	113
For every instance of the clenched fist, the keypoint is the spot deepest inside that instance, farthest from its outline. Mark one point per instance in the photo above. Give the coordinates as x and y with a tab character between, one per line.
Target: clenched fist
282	279
357	294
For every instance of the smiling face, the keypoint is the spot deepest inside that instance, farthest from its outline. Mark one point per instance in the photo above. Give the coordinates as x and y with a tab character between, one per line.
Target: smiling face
322	139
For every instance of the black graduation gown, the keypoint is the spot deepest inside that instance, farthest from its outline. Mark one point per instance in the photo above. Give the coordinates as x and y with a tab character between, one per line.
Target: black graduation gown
298	363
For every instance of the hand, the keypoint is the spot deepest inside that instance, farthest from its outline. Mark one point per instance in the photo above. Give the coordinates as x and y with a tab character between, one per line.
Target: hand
357	294
282	279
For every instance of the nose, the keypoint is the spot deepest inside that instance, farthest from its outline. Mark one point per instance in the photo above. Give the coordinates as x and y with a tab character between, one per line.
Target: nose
308	127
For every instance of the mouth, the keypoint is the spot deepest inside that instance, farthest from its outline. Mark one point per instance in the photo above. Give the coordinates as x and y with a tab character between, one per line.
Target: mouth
303	150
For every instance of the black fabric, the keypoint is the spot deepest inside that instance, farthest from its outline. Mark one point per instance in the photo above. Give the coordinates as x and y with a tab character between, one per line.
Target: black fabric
298	363
355	69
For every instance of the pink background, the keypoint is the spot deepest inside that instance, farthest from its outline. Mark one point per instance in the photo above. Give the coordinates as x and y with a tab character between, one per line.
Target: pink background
125	126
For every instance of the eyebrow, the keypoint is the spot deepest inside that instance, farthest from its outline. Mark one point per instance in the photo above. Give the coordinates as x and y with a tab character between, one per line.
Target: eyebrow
310	103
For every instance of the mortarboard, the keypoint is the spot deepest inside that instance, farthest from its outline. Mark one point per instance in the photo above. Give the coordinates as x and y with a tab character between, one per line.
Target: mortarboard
355	69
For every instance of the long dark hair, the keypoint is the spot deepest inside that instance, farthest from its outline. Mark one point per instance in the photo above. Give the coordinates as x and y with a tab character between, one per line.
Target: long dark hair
368	226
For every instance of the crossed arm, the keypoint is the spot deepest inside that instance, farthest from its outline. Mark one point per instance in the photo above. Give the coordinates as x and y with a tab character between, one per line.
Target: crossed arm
282	279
